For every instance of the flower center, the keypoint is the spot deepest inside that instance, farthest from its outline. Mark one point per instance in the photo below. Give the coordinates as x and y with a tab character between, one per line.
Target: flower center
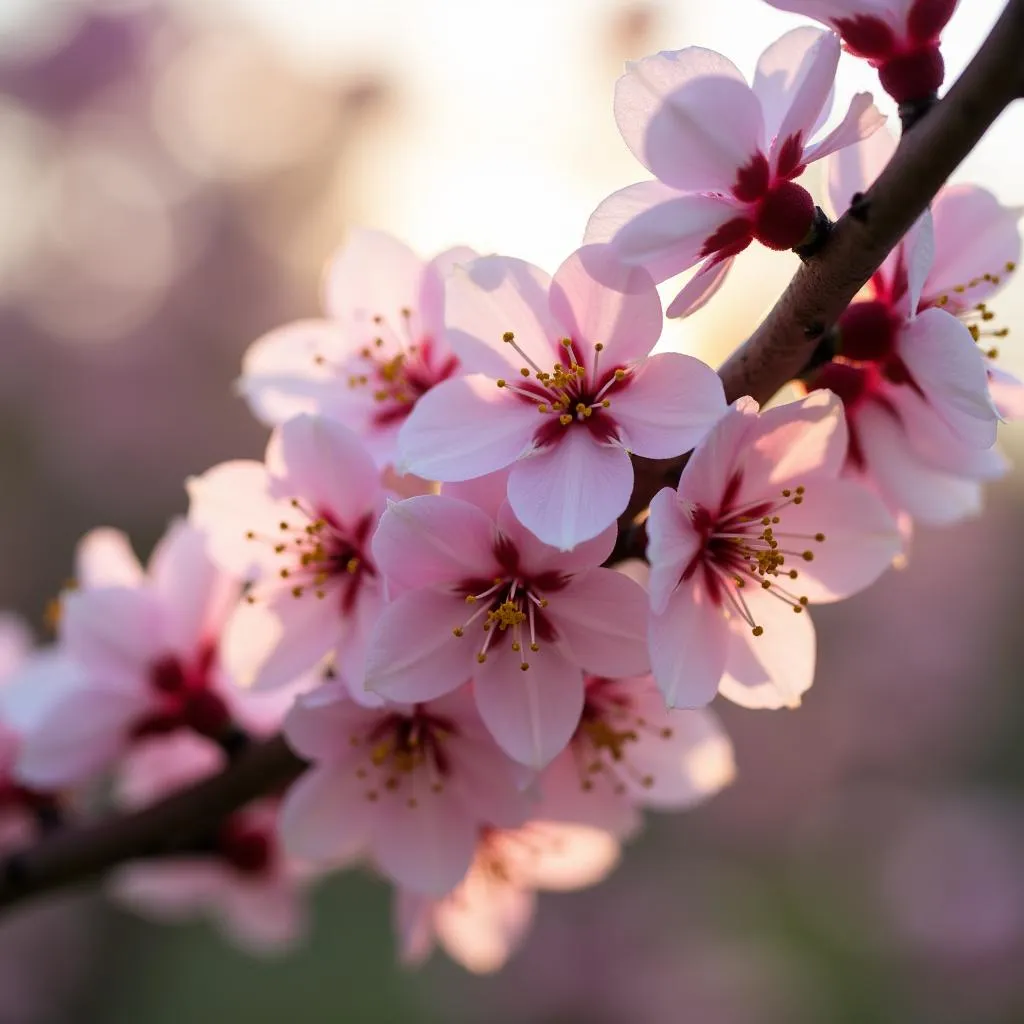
570	393
743	548
248	849
319	554
400	747
185	698
976	316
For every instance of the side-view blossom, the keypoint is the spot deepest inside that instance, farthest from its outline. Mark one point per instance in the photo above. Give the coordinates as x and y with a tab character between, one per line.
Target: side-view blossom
298	527
760	525
725	155
631	753
482	922
561	387
244	881
378	350
916	383
481	598
145	651
410	786
899	37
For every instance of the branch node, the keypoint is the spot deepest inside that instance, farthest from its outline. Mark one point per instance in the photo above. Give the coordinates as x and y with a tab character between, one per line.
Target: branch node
817	236
860	207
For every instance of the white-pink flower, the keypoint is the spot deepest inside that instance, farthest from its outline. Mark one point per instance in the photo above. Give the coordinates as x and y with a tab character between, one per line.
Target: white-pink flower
480	597
144	647
243	880
630	752
725	155
298	526
378	350
561	388
483	921
759	526
899	37
408	785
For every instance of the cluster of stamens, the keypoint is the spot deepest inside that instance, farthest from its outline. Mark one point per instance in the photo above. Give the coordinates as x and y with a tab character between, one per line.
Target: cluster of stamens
506	607
978	317
569	391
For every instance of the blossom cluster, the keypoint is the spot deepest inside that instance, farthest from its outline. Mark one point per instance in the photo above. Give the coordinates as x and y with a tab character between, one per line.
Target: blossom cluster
421	582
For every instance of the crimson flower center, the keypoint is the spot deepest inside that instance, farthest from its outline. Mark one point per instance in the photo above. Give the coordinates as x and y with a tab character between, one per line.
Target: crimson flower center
185	697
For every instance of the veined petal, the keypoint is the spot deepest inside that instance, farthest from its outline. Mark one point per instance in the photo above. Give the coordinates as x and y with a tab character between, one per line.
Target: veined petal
464	428
532	714
862	119
701	288
536	557
668	405
672	544
573	490
104	558
325	815
601	300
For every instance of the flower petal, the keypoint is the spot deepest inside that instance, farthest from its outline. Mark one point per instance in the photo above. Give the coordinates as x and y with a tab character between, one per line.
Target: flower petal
536	557
862	119
104	558
701	288
531	714
672	544
853	169
432	287
325	815
573	490
550	855
714	461
464	428
601	300
668	405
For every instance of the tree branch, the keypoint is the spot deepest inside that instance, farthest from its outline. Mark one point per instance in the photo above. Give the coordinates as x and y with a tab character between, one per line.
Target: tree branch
776	352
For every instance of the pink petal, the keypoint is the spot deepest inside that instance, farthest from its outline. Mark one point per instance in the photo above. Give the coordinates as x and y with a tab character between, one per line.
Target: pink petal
372	274
434	539
948	367
533	714
325	815
325	465
413	918
494	295
657	227
465	427
196	596
861	539
672	544
601	620
892	12
601	300
265	917
854	168
536	557
1007	393
602	804
975	235
701	288
104	558
488	492
918	252
320	723
793	82
171	891
668	405
282	375
413	654
689	117
689	644
559	857
862	119
432	288
775	669
573	490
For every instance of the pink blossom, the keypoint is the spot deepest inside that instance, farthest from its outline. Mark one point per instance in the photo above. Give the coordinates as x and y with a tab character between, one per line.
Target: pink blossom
144	647
244	882
725	155
759	497
299	527
380	348
630	752
899	37
561	388
916	387
480	597
482	922
410	785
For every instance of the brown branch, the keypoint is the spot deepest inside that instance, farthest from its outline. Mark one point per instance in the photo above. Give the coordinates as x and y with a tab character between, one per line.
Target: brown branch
776	352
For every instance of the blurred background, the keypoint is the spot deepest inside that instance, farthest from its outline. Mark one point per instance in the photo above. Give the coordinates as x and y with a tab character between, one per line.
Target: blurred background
173	174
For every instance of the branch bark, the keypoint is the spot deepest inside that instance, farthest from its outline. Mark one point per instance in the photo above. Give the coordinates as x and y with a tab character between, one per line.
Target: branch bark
776	352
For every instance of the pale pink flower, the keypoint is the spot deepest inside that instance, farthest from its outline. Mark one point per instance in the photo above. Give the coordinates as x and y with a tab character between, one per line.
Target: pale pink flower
561	388
480	597
299	527
243	881
725	155
899	37
483	921
916	387
630	752
759	526
378	350
408	785
145	649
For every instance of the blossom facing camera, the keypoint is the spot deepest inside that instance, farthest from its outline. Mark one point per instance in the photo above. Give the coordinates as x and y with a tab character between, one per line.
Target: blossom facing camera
759	526
561	386
725	155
